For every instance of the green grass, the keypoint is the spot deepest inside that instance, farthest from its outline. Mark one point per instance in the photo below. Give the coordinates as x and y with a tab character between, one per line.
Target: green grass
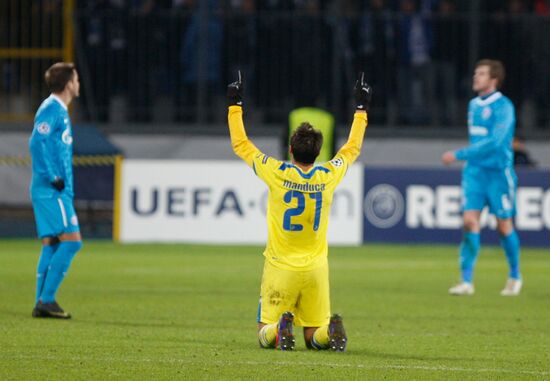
168	312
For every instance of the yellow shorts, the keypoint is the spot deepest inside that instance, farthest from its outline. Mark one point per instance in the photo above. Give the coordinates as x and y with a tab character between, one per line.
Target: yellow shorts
304	293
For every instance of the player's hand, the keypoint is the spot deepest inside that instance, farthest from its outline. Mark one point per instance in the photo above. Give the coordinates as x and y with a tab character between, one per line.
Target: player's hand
448	158
58	184
363	93
235	92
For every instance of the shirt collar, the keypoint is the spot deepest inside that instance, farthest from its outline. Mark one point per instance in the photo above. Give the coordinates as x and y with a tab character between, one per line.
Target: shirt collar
53	96
490	98
483	97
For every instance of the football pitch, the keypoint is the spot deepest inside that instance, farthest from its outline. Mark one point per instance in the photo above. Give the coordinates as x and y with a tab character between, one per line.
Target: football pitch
165	312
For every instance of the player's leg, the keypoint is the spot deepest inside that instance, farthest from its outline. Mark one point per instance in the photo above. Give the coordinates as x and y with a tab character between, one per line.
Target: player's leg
473	201
469	247
331	336
70	244
469	250
509	241
278	296
313	308
278	335
321	330
49	223
49	247
502	204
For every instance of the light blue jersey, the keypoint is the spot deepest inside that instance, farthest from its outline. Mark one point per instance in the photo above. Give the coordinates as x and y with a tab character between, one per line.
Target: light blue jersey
491	125
51	148
488	177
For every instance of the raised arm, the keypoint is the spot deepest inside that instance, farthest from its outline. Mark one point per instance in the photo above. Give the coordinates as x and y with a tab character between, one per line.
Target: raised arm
363	96
240	143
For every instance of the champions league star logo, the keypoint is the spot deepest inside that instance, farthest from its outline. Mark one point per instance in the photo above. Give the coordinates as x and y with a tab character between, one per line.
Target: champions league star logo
337	162
384	206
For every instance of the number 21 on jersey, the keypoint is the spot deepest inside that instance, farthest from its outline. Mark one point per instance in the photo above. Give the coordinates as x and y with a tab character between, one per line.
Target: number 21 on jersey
316	197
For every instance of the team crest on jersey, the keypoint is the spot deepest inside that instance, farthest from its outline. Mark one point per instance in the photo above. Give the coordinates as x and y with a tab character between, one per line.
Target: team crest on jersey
74	220
337	162
43	128
66	137
486	113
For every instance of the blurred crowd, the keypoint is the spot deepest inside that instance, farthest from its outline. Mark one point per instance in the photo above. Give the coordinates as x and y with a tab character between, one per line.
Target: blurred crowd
169	60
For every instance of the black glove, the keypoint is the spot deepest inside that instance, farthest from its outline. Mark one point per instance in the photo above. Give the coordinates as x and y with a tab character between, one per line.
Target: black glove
235	92
58	184
363	93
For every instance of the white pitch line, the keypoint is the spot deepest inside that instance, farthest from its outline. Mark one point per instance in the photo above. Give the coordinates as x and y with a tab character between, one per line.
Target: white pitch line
404	367
440	368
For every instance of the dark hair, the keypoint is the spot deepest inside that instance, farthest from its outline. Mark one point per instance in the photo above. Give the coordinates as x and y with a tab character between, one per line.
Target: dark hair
58	75
496	70
306	143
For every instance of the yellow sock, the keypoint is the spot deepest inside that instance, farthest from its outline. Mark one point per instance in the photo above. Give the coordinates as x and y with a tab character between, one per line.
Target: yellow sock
268	334
320	338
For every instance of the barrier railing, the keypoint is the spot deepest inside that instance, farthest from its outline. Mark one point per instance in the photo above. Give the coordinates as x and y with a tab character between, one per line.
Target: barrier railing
36	35
171	65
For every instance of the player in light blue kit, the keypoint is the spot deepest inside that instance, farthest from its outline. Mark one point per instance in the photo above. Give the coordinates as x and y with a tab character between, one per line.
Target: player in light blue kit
51	189
488	178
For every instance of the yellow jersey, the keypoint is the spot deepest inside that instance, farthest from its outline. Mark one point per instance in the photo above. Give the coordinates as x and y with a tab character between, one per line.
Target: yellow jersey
299	202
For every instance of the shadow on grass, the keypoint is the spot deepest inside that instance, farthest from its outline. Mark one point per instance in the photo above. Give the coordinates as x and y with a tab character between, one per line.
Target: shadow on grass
132	324
365	353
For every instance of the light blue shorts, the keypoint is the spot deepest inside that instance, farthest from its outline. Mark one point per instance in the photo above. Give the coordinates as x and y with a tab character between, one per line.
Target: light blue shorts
495	188
55	216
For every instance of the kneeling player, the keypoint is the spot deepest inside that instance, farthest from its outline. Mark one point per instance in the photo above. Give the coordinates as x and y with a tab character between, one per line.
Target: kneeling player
295	282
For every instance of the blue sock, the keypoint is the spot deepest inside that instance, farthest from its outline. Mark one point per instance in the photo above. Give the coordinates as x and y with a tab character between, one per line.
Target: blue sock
58	268
510	244
43	264
469	248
